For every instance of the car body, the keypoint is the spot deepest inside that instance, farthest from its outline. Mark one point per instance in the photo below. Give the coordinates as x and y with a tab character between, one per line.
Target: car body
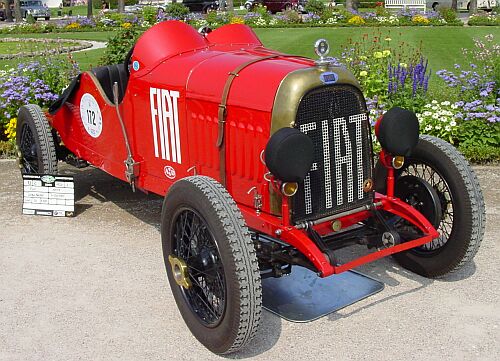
34	8
266	163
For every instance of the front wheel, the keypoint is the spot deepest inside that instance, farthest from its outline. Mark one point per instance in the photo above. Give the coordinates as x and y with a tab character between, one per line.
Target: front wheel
34	142
211	264
439	182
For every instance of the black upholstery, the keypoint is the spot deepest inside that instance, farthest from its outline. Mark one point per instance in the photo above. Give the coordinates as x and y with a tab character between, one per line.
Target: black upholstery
109	74
54	107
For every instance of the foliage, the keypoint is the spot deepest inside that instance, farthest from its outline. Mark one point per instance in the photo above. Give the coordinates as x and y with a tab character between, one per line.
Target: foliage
10	129
30	19
119	45
149	14
176	10
38	82
315	7
449	15
484	20
480	153
438	119
407	84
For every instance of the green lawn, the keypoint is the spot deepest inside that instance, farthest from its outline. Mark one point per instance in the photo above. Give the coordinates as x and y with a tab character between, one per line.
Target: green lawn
442	45
29	46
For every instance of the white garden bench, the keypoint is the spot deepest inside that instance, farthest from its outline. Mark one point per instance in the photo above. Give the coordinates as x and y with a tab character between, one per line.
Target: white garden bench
405	4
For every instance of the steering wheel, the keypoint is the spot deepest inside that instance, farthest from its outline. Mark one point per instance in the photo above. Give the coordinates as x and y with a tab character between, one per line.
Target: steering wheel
127	60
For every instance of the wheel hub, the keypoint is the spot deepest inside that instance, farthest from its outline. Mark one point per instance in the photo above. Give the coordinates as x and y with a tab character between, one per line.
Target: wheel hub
180	271
420	195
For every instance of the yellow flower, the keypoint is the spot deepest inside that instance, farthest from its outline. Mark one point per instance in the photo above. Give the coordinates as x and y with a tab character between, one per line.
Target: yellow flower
387	39
126	25
420	19
73	26
237	20
363	73
386	53
403	65
362	57
356	20
378	55
11	129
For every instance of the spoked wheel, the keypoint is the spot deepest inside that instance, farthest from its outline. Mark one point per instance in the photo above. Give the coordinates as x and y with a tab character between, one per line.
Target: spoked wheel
35	143
438	181
211	264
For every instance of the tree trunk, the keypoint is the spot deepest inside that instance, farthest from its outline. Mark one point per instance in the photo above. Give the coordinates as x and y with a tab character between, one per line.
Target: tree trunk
454	4
121	6
229	5
473	7
89	9
348	4
8	13
17	11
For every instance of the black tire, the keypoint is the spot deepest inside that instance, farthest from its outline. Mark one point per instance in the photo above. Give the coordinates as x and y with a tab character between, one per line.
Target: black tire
248	6
229	317
463	215
435	5
35	142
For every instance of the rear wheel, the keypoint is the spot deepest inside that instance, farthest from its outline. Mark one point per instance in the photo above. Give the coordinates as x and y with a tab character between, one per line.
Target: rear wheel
35	143
439	182
211	264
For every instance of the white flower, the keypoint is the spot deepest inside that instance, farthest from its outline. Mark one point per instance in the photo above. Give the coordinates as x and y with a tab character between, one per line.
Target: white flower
427	113
445	103
453	123
435	116
438	127
427	128
434	102
435	107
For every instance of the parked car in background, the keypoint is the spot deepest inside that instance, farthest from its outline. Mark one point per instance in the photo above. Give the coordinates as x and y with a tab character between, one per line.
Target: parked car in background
275	6
487	5
34	8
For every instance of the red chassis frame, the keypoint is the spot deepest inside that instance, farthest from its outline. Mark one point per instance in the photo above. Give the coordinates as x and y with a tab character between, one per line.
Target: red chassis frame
298	238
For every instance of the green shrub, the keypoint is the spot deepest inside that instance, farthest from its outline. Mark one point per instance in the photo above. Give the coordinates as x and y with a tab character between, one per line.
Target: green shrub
481	153
7	149
177	10
149	14
315	6
449	15
30	19
119	45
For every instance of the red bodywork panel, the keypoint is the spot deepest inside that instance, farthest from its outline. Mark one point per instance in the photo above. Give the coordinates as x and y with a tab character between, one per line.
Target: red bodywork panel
170	112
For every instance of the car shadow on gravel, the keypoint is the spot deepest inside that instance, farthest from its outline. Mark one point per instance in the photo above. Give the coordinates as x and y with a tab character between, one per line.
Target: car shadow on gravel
94	187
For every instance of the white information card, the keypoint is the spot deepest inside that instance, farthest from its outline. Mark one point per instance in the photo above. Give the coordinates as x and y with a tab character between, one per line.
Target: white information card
48	195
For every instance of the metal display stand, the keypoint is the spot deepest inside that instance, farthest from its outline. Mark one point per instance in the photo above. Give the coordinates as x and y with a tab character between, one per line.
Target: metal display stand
302	296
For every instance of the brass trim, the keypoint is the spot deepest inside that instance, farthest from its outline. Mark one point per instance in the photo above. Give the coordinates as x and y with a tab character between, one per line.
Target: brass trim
286	102
367	185
179	271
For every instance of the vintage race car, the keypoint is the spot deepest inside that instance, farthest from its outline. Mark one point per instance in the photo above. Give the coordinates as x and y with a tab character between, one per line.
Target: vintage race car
265	161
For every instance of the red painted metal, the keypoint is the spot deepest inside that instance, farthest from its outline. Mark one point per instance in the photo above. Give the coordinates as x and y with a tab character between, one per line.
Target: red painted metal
170	106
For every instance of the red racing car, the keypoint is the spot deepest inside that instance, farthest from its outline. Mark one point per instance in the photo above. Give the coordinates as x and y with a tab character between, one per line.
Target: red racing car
265	161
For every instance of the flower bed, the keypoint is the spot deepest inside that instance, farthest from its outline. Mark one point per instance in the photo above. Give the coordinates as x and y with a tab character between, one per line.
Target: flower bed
259	18
484	20
50	47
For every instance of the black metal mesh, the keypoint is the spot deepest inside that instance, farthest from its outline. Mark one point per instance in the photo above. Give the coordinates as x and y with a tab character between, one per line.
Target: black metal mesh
336	119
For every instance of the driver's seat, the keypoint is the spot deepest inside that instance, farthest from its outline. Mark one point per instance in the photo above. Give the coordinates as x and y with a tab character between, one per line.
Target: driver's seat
107	75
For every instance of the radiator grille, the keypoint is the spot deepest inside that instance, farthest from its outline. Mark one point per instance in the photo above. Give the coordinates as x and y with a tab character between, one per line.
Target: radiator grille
335	117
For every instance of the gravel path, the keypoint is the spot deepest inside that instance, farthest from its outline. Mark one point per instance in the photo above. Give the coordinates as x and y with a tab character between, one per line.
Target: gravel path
93	287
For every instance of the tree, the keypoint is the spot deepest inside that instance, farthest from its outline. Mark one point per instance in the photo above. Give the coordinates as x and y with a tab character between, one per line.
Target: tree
89	9
348	4
454	4
17	10
8	13
229	5
473	7
121	6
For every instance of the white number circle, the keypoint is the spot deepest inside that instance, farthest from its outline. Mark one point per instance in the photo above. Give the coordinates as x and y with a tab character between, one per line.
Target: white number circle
91	115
